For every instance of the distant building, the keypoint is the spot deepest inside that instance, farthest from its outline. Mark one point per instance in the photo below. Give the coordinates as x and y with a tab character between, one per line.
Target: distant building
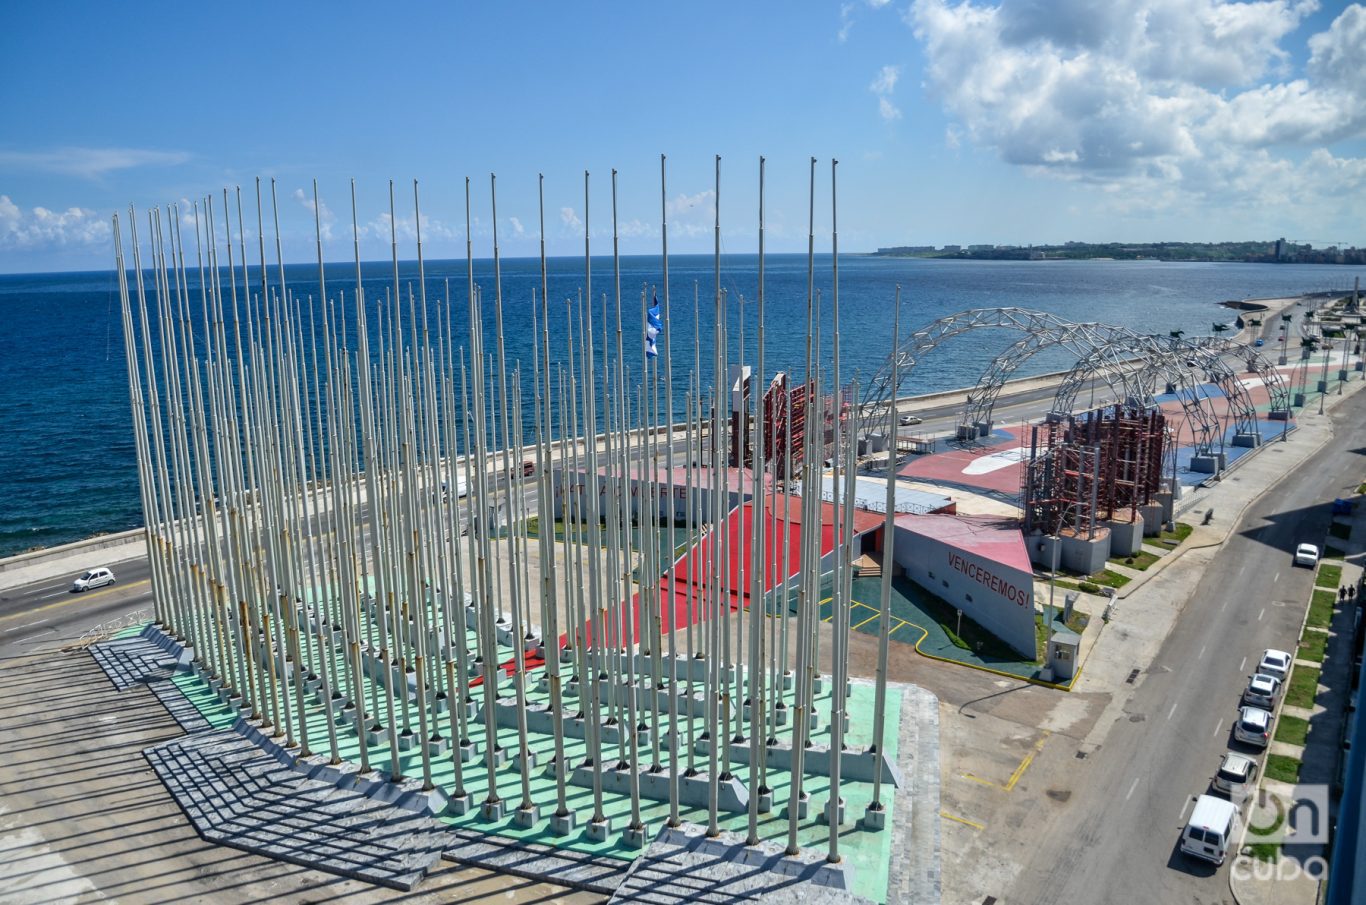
981	248
951	249
906	250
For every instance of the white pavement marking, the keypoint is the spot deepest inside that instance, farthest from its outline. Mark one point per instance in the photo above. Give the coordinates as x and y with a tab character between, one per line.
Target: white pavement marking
1277	578
1173	710
1261	614
1242	665
1133	785
1217	726
1202	651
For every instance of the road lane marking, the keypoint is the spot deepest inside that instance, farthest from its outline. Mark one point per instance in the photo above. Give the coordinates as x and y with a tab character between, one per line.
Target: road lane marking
1261	614
1019	771
77	598
1219	725
1277	578
963	820
1243	665
1133	785
1222	605
1202	651
1173	710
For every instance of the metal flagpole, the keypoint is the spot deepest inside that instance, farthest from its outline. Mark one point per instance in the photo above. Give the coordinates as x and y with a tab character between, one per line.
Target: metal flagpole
874	816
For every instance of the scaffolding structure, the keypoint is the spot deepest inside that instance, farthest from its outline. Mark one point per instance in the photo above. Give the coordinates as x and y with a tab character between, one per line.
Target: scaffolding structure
1100	465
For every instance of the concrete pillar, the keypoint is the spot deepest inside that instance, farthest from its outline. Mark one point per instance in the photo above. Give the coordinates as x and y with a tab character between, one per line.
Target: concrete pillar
1126	538
1156	514
1247	439
1086	555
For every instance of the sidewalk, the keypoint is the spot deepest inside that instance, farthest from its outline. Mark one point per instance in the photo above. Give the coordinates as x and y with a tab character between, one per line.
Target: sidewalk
1309	733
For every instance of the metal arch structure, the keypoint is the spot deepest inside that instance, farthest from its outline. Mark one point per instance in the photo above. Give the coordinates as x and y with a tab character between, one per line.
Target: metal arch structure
1100	348
1256	363
882	388
1144	364
1208	355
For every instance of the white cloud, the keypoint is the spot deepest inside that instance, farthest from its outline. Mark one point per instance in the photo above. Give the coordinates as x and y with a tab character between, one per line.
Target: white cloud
1169	99
89	163
518	231
846	21
324	213
570	220
43	228
884	85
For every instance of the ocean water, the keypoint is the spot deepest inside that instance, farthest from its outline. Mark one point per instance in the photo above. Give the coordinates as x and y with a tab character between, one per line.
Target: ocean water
67	468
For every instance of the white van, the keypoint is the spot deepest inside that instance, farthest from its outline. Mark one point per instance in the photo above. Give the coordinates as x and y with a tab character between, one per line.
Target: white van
1209	832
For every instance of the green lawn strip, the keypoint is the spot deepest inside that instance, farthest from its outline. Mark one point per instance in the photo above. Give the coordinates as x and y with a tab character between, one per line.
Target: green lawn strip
1182	532
1302	687
1140	560
1283	768
1107	578
1264	851
1321	608
1340	531
1312	646
1292	730
1329	576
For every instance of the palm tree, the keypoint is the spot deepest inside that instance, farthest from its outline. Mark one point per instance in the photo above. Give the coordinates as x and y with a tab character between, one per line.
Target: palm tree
1177	334
1219	328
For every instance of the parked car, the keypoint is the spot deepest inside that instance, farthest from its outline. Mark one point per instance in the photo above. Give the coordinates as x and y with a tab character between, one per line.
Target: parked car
93	578
1262	691
1307	555
1209	832
1237	775
1274	663
1253	727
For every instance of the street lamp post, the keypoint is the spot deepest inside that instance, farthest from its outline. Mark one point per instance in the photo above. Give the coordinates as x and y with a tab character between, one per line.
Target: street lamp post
1327	347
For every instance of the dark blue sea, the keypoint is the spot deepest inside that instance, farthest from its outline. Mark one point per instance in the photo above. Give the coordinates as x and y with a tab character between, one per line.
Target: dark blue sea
66	448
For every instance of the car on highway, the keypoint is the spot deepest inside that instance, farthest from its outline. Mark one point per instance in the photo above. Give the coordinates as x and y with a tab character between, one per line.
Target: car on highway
908	420
1259	342
1307	555
1237	775
1262	691
1253	727
93	578
1274	663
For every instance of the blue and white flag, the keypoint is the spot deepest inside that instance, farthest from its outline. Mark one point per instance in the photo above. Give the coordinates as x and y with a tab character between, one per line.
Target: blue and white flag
654	326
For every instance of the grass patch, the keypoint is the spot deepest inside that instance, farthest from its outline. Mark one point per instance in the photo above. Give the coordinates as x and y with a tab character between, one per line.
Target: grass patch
1340	531
1283	768
1264	851
1108	579
1312	646
1303	685
1292	730
1361	489
1140	560
1330	576
1182	532
1321	608
973	637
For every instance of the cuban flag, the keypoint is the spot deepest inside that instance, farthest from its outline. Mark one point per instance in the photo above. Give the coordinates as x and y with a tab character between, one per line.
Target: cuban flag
654	325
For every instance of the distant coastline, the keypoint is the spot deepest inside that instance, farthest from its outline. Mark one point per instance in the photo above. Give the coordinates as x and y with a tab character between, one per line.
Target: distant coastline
1275	251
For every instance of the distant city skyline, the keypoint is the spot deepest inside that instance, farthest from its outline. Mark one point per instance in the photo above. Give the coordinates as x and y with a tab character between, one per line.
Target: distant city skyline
1011	123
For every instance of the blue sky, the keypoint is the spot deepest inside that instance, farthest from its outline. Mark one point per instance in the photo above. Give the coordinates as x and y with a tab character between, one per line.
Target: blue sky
1012	121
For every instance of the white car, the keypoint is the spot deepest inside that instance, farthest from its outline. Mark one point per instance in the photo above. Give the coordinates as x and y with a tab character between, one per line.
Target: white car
907	420
94	578
1261	691
1253	727
1307	555
1274	663
1237	775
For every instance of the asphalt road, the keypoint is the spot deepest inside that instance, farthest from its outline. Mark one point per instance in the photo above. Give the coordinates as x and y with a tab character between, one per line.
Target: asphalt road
1117	841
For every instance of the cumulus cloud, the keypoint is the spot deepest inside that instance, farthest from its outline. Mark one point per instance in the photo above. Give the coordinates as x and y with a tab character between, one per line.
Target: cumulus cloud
570	220
41	227
884	85
89	163
324	213
1158	95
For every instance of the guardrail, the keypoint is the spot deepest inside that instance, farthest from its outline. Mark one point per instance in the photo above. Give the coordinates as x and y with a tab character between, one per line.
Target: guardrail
107	630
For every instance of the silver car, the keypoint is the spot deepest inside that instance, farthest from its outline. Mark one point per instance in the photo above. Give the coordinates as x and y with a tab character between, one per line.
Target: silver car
93	578
1237	775
1253	727
1262	691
